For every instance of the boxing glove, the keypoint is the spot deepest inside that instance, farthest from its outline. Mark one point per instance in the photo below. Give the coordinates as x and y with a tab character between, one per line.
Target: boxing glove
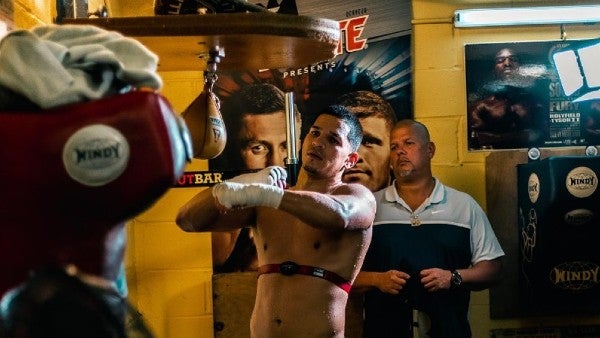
272	175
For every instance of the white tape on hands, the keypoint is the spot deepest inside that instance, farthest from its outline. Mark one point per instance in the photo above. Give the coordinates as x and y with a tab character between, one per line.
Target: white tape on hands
237	195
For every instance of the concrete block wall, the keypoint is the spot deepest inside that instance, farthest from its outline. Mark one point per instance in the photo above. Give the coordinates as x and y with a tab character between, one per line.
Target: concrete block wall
169	271
30	13
440	103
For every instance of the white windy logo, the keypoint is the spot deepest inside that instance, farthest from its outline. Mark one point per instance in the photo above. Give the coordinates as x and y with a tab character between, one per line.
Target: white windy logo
96	155
581	182
533	187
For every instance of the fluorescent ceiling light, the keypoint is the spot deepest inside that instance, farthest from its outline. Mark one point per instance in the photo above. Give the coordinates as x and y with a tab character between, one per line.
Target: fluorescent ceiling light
526	16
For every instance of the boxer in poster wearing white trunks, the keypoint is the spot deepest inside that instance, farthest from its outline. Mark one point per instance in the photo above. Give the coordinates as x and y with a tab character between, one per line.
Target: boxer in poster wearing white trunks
311	238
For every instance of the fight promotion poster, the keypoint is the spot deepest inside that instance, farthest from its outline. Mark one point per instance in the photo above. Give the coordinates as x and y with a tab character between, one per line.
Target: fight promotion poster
533	94
371	72
373	56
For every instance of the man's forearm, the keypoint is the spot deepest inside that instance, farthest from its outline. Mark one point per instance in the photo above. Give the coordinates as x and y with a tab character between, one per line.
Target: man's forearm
201	214
198	213
482	275
364	281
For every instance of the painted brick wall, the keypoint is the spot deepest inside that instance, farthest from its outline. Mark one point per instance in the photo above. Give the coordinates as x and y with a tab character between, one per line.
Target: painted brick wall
440	103
30	13
169	271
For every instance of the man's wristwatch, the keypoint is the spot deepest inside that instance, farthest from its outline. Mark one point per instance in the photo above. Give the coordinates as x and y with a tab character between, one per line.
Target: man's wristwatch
455	280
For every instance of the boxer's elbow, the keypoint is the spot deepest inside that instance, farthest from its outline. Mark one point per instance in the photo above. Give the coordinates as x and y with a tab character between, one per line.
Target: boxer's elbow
349	217
358	216
185	221
340	221
193	217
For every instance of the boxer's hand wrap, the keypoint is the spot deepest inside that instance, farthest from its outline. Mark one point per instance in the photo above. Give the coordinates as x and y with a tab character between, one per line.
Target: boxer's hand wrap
237	195
272	175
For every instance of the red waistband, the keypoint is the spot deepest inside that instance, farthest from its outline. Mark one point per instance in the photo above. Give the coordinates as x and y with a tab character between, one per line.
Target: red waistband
291	268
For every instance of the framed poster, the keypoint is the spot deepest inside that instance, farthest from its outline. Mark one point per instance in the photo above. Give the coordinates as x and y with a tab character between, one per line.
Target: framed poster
383	69
371	72
373	60
532	94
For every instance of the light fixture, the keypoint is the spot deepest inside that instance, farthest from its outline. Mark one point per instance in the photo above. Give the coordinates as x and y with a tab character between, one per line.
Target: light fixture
516	16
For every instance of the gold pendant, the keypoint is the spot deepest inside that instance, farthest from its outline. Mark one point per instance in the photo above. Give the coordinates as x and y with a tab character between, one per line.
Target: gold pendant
414	220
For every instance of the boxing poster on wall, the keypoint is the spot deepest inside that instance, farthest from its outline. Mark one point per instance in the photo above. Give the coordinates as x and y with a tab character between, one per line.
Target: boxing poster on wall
313	87
371	71
371	75
533	94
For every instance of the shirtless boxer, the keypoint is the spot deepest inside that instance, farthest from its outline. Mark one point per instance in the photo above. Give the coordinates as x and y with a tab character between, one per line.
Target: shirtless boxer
311	238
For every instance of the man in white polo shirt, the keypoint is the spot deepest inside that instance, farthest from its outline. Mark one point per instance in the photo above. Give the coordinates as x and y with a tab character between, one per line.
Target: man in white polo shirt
431	246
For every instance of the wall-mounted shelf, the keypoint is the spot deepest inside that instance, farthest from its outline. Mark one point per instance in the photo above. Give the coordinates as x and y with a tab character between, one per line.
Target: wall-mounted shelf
249	40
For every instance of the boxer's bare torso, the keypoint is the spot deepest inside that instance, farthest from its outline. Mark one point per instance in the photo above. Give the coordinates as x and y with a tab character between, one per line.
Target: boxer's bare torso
321	223
299	305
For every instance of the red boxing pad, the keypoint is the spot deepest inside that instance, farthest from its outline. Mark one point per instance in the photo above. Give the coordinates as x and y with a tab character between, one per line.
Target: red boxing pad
70	174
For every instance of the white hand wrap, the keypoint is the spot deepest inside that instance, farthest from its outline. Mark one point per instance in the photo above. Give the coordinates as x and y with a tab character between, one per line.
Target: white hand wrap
231	194
272	175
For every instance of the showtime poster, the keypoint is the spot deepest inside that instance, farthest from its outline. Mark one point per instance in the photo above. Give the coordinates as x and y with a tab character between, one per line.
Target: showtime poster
373	56
372	71
533	94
